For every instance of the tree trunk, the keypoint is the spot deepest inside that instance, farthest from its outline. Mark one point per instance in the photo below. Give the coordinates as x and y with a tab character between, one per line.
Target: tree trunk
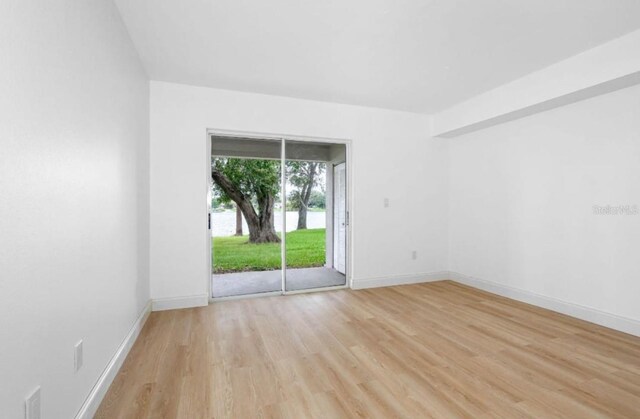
266	233
302	218
305	195
261	228
302	209
238	221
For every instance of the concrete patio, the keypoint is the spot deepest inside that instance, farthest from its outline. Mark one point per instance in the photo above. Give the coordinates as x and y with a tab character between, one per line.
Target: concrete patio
242	283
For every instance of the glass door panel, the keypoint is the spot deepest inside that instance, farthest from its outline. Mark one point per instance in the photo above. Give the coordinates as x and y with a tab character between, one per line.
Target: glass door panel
316	215
246	218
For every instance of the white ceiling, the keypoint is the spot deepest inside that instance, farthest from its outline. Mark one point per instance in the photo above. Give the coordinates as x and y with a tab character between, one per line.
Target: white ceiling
416	55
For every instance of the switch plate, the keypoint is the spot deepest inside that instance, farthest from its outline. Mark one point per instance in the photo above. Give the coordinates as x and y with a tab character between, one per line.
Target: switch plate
33	405
414	255
386	202
78	357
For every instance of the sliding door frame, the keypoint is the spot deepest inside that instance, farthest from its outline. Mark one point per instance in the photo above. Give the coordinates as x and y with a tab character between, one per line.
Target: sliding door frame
283	138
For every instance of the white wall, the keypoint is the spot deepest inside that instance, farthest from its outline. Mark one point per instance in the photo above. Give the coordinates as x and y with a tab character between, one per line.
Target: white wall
602	69
73	206
391	158
521	198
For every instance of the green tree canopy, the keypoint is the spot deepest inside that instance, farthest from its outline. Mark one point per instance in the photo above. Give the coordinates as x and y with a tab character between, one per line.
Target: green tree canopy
253	178
250	183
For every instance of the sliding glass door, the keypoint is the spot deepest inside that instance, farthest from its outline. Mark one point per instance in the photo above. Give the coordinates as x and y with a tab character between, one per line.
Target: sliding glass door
279	215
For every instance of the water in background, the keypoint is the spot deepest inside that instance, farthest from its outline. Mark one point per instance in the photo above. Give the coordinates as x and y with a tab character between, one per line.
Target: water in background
224	223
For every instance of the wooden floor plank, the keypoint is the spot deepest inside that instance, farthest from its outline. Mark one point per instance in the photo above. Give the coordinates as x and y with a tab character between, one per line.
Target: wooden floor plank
438	350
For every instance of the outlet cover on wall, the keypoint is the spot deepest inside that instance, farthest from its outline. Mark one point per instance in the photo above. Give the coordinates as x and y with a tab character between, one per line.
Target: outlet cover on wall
386	202
414	255
32	402
78	357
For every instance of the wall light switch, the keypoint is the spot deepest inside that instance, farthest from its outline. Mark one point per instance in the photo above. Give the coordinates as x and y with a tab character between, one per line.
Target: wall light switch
386	202
414	255
78	357
33	405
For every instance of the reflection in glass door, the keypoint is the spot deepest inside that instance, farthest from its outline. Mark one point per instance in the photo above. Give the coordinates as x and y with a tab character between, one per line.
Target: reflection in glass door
316	215
340	217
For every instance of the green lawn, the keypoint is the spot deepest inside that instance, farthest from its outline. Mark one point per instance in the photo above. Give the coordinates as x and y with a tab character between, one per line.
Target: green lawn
305	248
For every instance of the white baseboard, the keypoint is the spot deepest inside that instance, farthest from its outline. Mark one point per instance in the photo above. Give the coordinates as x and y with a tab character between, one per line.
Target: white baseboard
92	402
623	324
174	303
387	281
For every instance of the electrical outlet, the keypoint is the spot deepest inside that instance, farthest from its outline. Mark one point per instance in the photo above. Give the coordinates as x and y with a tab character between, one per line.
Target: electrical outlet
78	357
414	255
386	202
32	403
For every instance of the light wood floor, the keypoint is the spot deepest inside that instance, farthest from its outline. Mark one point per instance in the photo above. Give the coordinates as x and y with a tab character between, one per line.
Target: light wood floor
430	350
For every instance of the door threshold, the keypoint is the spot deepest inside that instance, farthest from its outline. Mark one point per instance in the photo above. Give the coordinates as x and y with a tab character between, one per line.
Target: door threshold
309	290
243	296
276	293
